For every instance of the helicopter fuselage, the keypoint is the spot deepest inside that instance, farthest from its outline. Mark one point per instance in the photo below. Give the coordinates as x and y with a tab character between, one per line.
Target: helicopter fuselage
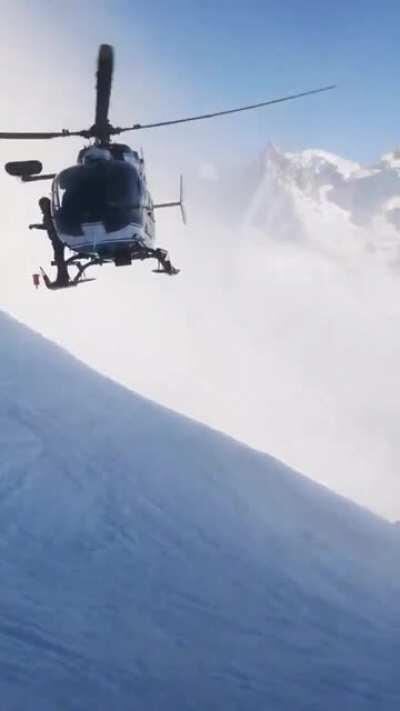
101	206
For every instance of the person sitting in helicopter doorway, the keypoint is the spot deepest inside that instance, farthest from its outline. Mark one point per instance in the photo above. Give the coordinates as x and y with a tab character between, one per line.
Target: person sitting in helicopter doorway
62	278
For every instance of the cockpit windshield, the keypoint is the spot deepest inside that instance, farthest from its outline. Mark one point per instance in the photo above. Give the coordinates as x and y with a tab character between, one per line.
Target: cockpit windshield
104	191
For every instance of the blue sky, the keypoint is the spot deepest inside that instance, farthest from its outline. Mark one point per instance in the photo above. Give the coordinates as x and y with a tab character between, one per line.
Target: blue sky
210	55
227	52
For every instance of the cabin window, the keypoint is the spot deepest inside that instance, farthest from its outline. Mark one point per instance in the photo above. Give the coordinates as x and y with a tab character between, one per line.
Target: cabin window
110	192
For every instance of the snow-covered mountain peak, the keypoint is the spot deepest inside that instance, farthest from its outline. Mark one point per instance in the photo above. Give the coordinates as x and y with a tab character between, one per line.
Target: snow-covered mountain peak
392	159
321	199
317	161
310	161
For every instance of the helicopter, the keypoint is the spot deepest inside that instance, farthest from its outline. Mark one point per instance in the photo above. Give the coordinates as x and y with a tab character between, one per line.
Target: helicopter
101	209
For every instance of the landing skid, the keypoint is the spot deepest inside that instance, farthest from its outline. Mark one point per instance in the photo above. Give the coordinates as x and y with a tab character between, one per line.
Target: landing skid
81	262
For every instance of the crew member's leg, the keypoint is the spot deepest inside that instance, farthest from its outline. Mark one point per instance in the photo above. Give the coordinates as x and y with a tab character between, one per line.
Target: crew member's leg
62	269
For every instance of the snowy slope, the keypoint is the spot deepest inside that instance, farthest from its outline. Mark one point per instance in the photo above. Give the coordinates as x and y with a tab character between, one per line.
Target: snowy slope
148	562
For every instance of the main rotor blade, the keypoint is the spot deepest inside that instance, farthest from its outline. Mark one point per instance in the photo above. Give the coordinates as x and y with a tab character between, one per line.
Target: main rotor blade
40	135
101	128
138	126
105	65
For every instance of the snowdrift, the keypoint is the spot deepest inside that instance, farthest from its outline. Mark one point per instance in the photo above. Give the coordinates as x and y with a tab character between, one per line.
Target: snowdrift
149	562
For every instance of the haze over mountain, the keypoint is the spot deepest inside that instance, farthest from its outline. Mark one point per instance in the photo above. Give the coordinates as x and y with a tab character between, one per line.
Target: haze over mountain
336	204
311	267
281	329
148	561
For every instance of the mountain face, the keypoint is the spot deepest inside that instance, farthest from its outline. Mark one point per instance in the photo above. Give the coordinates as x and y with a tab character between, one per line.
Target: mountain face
318	198
150	562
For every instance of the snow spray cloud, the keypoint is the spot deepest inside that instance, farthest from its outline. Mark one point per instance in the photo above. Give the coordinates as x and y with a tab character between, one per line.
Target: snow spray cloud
325	289
282	328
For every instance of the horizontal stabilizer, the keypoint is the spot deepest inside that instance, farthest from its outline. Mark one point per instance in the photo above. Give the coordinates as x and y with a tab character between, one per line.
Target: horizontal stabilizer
34	178
178	203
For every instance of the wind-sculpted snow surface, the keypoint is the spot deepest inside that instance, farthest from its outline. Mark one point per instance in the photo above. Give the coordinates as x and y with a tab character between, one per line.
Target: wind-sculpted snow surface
148	562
